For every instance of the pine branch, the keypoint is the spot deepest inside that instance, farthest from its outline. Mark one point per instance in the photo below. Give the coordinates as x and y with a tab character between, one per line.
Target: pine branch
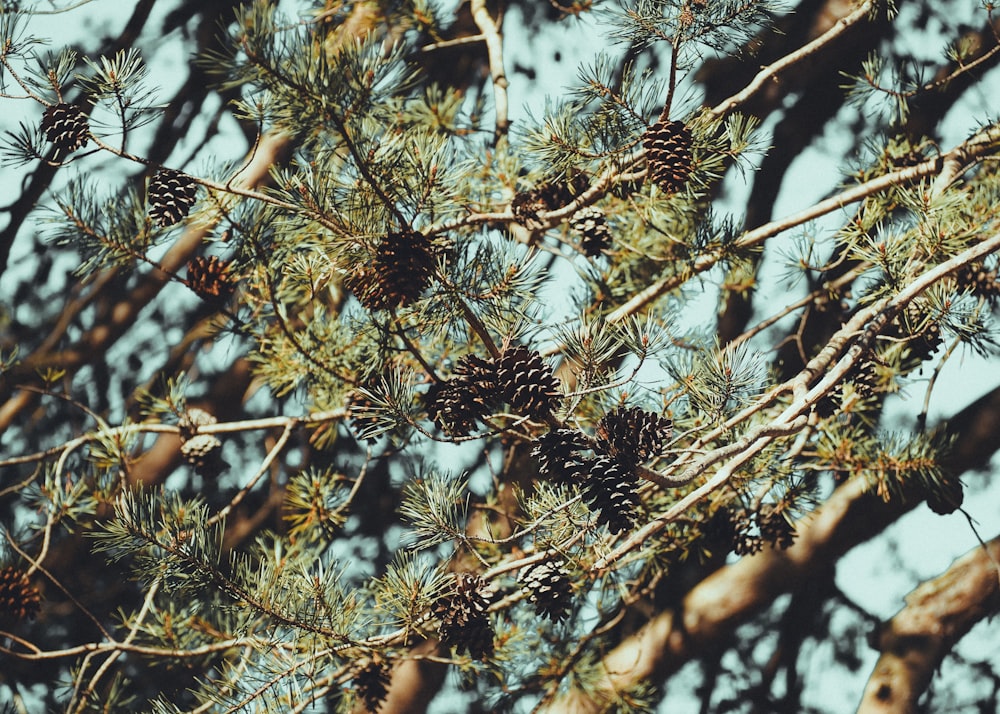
868	323
392	236
945	168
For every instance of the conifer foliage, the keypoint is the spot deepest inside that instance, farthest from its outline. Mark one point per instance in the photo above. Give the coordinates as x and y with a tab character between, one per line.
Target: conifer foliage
350	374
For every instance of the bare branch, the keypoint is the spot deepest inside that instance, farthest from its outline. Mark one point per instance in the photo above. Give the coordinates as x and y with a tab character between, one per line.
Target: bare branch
494	47
936	616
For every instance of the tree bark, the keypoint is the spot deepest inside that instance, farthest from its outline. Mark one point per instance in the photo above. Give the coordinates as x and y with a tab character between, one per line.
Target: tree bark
714	608
937	614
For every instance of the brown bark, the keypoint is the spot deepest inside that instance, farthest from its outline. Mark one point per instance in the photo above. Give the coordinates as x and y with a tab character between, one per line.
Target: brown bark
937	614
713	609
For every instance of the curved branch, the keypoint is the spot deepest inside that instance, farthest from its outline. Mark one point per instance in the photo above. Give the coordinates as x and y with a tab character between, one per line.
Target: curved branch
771	72
938	613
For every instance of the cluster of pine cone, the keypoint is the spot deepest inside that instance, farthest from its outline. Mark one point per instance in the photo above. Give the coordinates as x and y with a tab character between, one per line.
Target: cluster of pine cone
626	438
518	377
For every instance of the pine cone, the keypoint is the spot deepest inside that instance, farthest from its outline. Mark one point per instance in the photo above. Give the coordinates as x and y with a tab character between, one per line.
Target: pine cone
548	589
204	453
463	621
718	533
864	377
592	227
558	194
745	541
452	408
774	527
632	435
371	683
18	597
526	383
192	419
478	387
557	451
980	281
399	272
210	279
668	154
864	382
610	487
66	126
170	196
527	205
923	334
405	262
469	396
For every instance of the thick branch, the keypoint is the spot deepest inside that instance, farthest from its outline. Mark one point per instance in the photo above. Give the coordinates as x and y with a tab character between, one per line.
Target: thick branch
936	616
714	608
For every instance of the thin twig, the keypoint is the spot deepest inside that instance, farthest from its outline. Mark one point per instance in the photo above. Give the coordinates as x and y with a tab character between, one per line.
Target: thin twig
769	73
133	632
264	466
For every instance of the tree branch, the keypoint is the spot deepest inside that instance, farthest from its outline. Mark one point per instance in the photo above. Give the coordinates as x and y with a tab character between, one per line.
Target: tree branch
494	47
771	72
938	613
714	608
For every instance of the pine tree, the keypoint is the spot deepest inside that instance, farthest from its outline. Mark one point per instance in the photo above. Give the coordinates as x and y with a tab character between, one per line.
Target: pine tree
424	383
